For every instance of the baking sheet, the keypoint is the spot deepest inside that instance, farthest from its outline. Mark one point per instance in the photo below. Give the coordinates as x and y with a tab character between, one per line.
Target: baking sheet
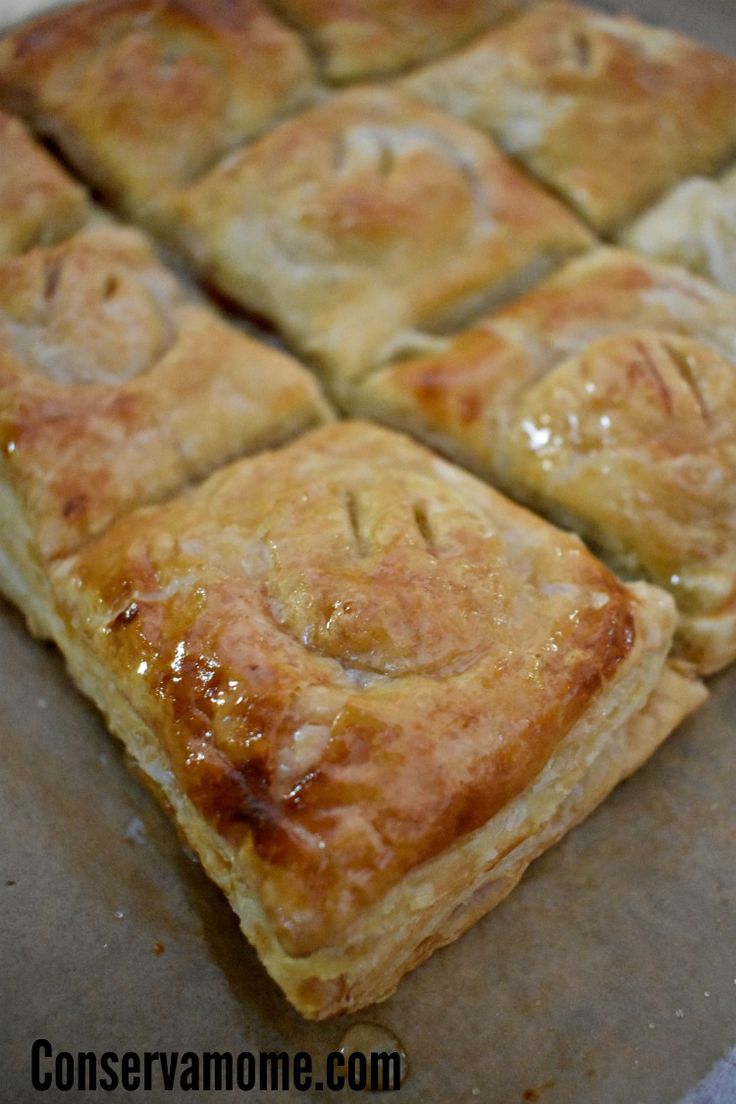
608	977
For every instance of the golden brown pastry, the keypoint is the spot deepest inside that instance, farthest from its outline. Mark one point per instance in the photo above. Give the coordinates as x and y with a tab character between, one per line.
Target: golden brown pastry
608	112
365	218
695	225
39	203
370	689
143	95
606	399
363	38
115	390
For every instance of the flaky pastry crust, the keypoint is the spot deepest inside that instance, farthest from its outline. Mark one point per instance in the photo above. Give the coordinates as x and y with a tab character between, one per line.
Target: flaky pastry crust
144	95
39	202
117	389
607	111
604	398
366	217
371	688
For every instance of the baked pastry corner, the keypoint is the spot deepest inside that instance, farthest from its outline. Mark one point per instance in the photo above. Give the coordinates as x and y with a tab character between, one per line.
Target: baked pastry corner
39	202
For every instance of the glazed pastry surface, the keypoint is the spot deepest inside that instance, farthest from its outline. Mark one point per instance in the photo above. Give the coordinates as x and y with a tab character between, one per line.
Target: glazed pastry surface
39	202
607	111
354	654
365	218
605	399
370	689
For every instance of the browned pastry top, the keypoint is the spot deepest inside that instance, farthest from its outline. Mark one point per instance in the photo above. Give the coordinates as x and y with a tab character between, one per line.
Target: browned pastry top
354	653
143	95
365	217
116	389
604	398
609	112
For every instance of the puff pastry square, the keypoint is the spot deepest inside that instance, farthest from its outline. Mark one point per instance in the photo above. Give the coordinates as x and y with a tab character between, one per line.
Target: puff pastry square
39	203
608	112
116	390
606	399
142	95
356	39
366	217
371	690
695	225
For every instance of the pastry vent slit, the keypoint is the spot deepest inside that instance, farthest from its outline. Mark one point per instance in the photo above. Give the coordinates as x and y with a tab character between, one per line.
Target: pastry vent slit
424	525
583	50
386	158
110	287
353	512
655	375
52	275
339	153
684	369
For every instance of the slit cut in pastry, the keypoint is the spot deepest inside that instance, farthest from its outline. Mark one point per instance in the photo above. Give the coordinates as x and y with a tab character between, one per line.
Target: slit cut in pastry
607	111
39	203
356	39
604	399
370	689
695	226
116	390
366	217
144	95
